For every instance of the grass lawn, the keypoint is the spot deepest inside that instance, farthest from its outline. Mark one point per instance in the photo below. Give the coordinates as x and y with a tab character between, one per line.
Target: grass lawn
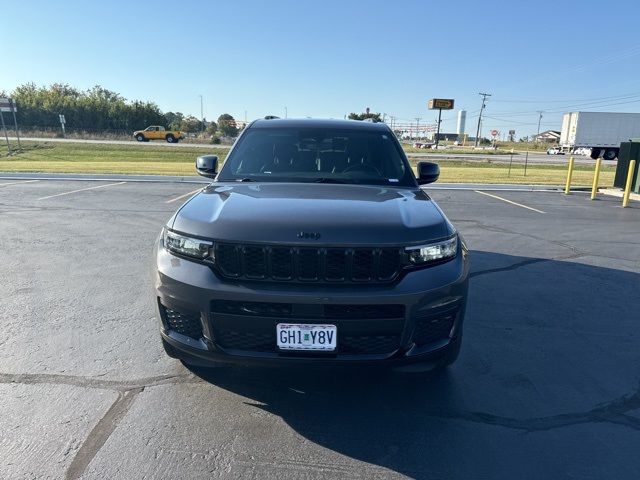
162	160
103	158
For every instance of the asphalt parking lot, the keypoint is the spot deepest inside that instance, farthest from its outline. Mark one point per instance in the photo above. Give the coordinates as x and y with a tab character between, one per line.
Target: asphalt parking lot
547	384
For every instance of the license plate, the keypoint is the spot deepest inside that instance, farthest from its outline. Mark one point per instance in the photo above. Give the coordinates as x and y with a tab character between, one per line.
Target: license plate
295	336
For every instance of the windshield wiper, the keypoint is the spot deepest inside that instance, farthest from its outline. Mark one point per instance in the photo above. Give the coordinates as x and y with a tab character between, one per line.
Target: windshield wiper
245	180
328	180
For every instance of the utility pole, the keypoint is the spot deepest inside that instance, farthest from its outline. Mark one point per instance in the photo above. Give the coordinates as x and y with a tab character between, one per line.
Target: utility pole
285	112
417	127
201	113
539	120
484	100
392	120
438	129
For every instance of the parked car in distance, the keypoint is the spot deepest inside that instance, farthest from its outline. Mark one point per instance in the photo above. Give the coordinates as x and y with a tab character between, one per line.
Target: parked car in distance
157	132
554	151
315	244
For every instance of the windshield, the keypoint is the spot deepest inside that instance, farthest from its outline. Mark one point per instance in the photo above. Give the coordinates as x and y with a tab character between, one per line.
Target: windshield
312	155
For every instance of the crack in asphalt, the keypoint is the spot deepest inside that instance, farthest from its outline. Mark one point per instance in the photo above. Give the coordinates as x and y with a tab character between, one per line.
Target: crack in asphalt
494	228
614	412
524	263
94	382
101	433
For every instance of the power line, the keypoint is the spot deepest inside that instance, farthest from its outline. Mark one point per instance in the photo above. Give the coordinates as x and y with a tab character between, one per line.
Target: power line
595	99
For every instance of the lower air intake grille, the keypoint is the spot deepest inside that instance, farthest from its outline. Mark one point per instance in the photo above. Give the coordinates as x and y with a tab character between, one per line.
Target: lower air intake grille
182	323
433	328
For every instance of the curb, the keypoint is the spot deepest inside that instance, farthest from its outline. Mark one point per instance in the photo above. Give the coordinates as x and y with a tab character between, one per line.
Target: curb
194	179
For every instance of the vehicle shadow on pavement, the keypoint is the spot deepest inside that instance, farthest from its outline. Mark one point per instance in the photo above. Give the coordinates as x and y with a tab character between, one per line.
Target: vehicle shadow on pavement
548	344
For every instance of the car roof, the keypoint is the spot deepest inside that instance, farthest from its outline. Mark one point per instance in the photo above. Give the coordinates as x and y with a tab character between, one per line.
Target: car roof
319	123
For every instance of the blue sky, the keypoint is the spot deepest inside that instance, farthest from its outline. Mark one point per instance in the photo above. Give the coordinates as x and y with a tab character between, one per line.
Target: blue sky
327	58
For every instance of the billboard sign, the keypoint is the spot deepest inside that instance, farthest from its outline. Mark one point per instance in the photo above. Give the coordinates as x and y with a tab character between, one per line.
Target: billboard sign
440	104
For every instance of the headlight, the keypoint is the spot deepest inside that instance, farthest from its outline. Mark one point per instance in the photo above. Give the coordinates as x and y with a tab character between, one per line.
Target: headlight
423	254
188	246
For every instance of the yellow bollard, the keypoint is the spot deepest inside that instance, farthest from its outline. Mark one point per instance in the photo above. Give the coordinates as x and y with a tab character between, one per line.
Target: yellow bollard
596	177
627	187
569	174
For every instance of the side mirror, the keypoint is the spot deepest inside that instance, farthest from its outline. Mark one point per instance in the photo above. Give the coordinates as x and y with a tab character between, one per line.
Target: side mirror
428	172
207	165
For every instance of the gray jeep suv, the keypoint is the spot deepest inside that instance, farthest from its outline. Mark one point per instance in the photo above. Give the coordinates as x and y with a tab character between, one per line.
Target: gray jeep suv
314	244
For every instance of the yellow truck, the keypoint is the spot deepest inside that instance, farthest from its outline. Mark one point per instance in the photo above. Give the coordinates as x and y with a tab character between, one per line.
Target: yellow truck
156	132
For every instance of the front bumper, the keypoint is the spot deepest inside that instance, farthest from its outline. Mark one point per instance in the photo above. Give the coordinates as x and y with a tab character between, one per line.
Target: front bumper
207	319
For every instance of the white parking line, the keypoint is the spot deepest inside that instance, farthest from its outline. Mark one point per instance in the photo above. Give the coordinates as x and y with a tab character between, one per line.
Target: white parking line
17	183
508	201
182	196
81	190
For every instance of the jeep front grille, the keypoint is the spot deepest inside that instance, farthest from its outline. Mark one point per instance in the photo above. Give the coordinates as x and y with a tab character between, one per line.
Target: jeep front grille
306	264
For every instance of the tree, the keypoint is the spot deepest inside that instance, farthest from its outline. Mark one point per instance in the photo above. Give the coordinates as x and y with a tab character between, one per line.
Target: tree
173	120
227	125
94	109
212	128
363	116
190	124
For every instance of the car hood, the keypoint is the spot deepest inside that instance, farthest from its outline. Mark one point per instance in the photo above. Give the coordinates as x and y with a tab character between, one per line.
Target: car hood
317	214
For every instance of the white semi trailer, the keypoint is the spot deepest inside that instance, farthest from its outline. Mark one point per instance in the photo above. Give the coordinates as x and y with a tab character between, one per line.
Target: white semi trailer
601	132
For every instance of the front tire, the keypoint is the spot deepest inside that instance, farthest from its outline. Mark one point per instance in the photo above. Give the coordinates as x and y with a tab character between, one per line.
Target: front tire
140	138
171	139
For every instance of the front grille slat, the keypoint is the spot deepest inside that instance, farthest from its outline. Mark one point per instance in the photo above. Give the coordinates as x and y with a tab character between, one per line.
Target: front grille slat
326	311
308	264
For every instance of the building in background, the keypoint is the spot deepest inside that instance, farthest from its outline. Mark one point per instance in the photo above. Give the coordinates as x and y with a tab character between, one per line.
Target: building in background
549	136
462	119
442	137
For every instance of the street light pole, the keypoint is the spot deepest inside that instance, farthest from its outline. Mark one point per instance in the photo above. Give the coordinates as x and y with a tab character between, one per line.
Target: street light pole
484	99
201	113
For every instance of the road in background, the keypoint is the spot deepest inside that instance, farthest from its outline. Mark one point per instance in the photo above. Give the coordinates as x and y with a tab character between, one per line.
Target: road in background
182	143
518	158
546	385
